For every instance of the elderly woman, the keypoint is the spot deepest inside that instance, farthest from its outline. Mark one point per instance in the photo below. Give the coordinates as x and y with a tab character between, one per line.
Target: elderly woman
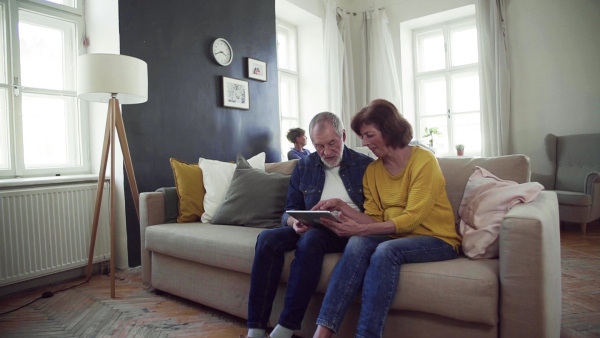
298	137
407	219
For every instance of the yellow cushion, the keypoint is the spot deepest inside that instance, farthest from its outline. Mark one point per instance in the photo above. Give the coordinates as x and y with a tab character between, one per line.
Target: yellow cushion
190	190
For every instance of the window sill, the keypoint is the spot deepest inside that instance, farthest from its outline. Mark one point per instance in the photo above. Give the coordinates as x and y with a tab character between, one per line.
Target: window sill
9	183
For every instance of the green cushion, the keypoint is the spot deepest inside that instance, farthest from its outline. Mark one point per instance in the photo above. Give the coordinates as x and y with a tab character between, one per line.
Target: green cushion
255	198
171	201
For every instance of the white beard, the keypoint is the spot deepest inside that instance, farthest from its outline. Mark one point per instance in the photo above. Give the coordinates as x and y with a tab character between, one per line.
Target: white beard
336	164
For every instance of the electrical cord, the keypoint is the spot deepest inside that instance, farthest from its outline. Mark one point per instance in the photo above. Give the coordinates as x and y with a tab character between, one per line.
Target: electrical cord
46	294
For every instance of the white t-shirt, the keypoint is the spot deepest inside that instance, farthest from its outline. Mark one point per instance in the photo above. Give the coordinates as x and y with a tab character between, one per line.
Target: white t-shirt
334	187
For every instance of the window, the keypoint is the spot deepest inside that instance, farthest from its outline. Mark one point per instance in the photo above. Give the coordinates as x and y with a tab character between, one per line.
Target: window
446	86
40	120
288	82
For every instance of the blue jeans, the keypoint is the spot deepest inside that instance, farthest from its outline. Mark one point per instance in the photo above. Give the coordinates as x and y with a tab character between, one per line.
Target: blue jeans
305	272
373	264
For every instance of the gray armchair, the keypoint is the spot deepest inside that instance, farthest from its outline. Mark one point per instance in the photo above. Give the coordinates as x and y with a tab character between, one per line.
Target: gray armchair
575	176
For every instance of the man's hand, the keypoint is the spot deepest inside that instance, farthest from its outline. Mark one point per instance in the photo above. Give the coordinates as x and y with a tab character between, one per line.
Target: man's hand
334	204
300	228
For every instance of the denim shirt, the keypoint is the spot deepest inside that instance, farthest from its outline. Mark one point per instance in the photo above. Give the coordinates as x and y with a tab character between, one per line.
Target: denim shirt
308	179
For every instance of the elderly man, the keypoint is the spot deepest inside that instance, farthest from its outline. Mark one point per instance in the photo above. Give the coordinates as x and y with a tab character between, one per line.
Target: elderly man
333	171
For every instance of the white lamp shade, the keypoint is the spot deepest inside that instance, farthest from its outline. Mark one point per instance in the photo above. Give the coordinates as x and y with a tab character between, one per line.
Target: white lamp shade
101	75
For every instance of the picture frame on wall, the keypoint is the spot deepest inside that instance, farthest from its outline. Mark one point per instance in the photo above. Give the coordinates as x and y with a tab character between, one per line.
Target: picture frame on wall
235	93
257	69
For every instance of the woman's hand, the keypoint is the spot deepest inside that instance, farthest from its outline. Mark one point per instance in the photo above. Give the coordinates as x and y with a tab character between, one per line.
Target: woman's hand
334	204
346	228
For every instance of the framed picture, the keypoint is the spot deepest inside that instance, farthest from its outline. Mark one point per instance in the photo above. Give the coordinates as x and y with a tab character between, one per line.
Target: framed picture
235	93
257	69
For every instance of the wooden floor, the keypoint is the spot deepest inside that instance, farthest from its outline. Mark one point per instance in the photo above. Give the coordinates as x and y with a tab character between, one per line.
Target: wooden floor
580	259
88	311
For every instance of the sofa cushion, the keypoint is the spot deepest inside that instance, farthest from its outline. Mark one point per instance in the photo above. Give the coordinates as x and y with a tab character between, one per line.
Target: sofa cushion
255	198
217	176
285	167
486	202
171	203
460	288
224	246
573	198
457	171
190	190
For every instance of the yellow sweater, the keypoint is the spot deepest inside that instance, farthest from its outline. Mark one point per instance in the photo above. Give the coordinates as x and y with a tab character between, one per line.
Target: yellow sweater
415	199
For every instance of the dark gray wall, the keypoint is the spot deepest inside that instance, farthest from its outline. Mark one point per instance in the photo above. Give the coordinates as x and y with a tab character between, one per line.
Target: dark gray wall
184	116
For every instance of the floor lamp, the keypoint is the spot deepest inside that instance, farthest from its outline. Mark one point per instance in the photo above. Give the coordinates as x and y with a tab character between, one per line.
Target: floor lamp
115	79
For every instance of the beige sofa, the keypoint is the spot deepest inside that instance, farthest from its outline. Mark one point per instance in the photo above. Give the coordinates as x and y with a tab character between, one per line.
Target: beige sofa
517	295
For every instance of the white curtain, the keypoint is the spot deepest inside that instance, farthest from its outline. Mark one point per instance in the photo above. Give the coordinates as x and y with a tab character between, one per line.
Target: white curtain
381	76
338	62
334	54
494	77
349	108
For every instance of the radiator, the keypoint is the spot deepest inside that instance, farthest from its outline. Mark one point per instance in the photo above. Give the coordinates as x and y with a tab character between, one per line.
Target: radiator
47	230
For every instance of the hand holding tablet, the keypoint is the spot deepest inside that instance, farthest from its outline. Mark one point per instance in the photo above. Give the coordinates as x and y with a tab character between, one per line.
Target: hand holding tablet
312	217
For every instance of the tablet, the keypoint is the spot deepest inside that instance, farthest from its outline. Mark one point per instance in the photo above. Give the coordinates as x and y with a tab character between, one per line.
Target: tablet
311	217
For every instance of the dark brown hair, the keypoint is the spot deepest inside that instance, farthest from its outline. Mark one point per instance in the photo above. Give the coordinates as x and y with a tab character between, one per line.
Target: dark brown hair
293	133
395	129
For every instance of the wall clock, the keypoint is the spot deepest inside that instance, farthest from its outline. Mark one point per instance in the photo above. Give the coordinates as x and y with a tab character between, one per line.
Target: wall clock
222	51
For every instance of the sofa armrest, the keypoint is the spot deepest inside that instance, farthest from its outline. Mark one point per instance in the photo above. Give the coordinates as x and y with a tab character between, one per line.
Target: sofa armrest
152	212
530	269
592	187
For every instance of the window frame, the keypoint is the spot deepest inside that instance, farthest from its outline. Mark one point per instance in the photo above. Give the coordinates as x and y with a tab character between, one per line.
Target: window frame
291	73
79	115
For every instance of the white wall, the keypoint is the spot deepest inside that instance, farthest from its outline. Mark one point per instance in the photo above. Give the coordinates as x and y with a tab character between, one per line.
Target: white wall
314	7
554	57
102	28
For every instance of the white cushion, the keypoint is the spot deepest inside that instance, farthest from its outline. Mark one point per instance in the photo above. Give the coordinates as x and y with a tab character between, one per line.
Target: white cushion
217	176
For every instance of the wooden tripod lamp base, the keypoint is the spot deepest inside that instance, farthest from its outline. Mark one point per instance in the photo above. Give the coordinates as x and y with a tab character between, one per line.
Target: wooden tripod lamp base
114	123
108	78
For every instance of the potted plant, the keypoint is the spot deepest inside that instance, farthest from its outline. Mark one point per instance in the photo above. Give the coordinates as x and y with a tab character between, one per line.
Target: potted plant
430	133
460	149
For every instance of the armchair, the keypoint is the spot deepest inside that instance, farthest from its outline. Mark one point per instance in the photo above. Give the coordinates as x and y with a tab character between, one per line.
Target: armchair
575	176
